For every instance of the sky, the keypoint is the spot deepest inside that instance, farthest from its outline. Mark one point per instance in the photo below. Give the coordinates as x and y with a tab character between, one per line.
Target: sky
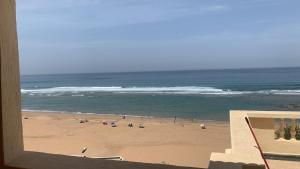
84	36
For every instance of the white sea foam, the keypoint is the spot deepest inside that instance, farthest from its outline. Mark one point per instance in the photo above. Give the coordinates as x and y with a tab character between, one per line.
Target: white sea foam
156	90
46	111
77	95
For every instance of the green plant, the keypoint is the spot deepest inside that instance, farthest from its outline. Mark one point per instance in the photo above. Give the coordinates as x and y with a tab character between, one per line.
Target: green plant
287	133
297	133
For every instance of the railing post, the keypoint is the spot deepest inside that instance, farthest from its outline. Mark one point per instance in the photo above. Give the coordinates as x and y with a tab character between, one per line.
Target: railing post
293	129
281	129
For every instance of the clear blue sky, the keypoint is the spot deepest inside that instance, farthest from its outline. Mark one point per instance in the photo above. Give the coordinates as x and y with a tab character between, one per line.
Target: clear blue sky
79	36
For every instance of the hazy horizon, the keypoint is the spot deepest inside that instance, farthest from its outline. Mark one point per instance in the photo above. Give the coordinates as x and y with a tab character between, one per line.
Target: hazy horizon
146	71
102	36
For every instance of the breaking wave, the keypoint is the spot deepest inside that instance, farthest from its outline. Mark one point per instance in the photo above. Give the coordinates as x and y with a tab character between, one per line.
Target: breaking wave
156	90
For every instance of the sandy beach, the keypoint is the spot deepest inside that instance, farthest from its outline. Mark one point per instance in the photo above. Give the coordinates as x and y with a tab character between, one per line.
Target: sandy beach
182	143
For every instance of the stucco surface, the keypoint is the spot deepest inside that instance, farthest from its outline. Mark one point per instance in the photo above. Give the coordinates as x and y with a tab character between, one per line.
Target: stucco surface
10	84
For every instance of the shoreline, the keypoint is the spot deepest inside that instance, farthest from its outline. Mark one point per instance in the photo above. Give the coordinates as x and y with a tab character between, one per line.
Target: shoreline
127	115
161	140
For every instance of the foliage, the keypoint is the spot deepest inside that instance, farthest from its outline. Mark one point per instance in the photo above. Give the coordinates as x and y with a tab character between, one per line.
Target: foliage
287	133
298	132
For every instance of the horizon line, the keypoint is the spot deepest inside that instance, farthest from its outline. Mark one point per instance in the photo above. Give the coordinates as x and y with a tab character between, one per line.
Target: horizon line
153	71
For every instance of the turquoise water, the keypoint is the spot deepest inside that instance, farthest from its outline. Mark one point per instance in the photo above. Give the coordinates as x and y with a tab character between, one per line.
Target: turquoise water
204	94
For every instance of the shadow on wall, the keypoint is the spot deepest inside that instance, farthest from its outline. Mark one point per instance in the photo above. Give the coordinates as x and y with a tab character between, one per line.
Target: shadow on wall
55	161
231	165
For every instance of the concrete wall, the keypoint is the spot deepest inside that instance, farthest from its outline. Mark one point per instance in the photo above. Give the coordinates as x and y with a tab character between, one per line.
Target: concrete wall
10	83
264	130
243	153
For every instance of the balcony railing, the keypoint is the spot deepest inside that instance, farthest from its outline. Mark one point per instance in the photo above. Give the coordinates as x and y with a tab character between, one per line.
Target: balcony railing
287	129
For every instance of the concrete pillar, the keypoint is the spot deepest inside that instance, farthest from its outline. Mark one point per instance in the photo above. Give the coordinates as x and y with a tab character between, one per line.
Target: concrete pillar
10	82
281	129
293	129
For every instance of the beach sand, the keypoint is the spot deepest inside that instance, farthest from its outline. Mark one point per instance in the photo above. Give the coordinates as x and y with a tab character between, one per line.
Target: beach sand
161	141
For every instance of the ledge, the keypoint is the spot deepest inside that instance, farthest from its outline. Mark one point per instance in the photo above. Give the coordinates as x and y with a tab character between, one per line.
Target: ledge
34	160
273	114
282	155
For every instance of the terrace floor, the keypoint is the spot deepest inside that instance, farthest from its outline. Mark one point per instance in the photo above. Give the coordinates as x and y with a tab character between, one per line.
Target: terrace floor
283	164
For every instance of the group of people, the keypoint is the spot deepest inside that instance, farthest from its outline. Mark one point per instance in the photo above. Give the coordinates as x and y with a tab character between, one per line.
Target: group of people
114	123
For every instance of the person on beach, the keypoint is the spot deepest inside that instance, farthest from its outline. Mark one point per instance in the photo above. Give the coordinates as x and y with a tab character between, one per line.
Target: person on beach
174	119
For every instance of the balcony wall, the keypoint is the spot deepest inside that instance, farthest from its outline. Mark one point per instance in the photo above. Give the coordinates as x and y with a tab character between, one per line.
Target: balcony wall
264	127
244	152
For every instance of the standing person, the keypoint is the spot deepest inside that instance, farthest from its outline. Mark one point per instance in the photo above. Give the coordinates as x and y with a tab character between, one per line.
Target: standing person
174	119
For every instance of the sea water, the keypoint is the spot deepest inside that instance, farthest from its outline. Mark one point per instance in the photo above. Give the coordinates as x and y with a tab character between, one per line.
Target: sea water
201	94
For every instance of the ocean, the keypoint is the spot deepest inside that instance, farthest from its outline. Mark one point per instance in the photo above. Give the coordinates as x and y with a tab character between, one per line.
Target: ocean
201	94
